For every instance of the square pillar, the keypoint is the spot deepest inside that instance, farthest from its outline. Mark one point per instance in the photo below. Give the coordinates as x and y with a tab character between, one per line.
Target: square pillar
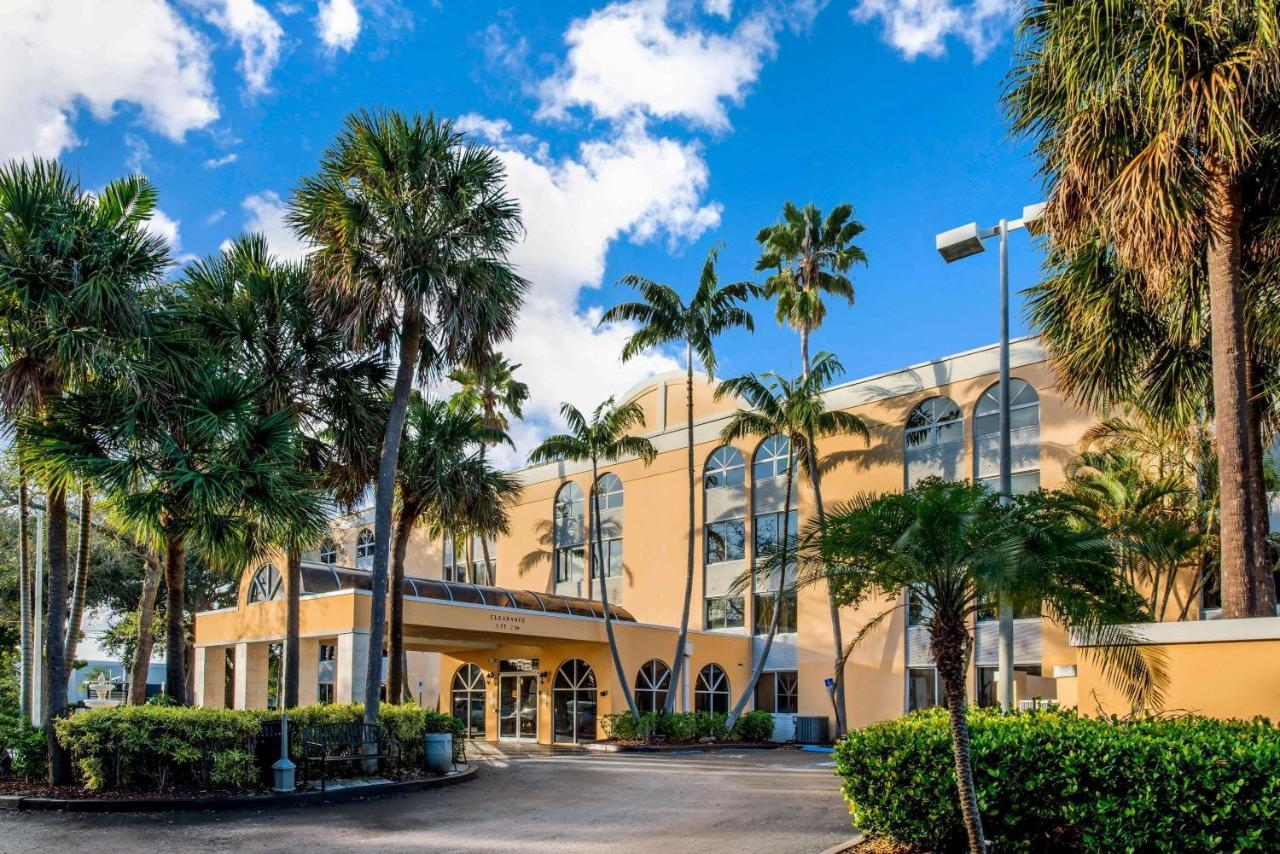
242	676
352	658
308	668
210	676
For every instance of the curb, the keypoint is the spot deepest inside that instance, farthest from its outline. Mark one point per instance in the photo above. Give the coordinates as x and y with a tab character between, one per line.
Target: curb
220	804
847	845
676	749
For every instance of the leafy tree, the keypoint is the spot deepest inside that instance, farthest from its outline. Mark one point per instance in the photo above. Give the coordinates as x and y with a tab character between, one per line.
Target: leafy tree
953	547
605	438
663	318
411	227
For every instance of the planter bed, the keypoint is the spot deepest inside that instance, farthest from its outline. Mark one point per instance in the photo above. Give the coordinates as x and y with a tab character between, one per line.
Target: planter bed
682	747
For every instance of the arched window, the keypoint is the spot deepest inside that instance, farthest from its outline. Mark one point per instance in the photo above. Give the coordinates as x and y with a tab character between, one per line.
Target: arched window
364	548
933	441
1024	436
468	699
725	467
329	553
608	561
573	702
771	458
567	531
266	585
712	691
652	683
609	491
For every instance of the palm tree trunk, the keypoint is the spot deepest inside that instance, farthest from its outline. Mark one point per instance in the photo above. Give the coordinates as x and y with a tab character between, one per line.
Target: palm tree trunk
490	571
384	495
292	615
26	588
749	691
677	660
837	633
1264	572
145	642
1231	400
80	587
55	639
804	350
175	636
604	599
395	644
950	646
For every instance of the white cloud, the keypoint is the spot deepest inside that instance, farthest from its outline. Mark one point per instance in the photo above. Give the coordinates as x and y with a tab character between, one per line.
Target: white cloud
338	24
215	217
58	57
723	8
254	30
630	58
922	27
162	225
266	212
139	152
224	160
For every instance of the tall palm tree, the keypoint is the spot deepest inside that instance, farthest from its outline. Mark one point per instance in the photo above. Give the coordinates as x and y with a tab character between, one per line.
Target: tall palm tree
793	408
605	438
1148	118
491	385
810	256
954	548
72	265
411	227
663	318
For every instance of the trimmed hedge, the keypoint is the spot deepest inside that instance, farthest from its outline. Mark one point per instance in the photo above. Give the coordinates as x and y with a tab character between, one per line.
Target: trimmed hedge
162	747
688	726
1051	780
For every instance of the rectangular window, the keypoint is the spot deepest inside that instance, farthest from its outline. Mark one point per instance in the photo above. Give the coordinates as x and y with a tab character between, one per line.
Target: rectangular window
922	688
726	541
229	679
612	559
764	613
275	655
778	692
768	531
455	559
569	563
986	687
328	654
918	611
724	612
988	611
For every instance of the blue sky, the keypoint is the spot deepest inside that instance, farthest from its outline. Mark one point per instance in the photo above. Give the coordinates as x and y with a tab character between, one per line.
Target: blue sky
636	134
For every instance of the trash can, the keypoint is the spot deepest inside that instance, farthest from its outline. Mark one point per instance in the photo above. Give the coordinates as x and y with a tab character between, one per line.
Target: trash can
438	747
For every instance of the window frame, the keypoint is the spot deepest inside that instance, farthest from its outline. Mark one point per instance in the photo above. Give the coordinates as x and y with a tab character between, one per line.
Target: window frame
609	497
721	463
652	686
267	584
726	524
713	685
762	609
725	621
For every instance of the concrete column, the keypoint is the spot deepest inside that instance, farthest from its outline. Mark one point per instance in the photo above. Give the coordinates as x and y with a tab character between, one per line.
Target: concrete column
210	676
201	670
242	676
352	660
308	670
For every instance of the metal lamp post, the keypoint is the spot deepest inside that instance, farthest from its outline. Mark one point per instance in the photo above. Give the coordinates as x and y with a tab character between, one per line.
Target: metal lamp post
952	246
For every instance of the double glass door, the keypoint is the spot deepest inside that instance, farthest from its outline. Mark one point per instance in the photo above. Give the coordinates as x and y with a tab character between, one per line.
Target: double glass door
518	706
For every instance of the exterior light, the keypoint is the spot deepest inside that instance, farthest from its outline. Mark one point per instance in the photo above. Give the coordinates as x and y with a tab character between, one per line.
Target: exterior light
283	771
959	242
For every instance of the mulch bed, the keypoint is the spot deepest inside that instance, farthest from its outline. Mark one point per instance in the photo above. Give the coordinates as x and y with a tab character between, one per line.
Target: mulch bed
16	786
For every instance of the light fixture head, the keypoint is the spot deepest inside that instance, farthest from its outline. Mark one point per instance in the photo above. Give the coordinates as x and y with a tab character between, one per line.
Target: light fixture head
1033	217
959	242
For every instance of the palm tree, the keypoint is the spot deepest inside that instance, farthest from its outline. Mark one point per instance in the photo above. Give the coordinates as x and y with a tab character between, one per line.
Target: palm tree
795	409
491	385
809	257
663	319
1149	120
954	548
605	438
411	227
72	265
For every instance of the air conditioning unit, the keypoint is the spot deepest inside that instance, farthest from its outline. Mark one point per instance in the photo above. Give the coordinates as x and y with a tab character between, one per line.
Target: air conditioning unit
811	729
1036	703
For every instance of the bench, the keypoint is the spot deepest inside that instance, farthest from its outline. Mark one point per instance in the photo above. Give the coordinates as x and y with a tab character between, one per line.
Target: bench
326	744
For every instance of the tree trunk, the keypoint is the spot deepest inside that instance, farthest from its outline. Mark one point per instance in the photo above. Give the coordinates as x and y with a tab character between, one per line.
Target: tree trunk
950	646
837	632
141	667
750	689
384	496
395	644
1231	401
80	588
490	571
292	613
55	683
1264	570
604	599
26	594
677	661
175	636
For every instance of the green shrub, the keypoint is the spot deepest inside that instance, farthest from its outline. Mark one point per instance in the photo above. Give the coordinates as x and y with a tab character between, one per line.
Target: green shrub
682	727
233	769
161	700
1055	781
753	726
27	749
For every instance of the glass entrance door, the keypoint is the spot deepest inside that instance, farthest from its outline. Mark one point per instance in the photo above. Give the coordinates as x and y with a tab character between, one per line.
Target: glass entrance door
518	706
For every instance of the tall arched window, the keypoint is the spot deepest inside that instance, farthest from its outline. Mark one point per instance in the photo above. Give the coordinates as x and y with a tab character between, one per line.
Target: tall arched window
329	552
1024	436
573	702
567	532
725	467
712	691
609	490
467	699
652	683
266	585
771	458
364	548
608	560
933	441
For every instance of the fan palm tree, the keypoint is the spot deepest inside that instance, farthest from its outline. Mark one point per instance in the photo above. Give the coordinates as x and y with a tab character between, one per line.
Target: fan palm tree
1148	117
795	409
810	256
72	266
491	385
605	438
954	548
663	318
411	227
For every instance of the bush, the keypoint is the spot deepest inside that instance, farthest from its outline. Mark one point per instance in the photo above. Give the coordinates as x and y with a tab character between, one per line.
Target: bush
233	769
753	726
1052	780
27	749
682	727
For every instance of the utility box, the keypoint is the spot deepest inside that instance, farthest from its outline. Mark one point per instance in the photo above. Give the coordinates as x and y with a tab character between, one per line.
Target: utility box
811	729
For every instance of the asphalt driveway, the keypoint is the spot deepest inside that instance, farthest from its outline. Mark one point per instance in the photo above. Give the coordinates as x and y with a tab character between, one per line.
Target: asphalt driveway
537	801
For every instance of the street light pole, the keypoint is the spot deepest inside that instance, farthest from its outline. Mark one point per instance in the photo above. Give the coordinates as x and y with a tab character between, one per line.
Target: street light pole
37	628
961	243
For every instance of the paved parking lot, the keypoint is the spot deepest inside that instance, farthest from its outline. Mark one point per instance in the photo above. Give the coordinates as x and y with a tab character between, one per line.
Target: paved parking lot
538	801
